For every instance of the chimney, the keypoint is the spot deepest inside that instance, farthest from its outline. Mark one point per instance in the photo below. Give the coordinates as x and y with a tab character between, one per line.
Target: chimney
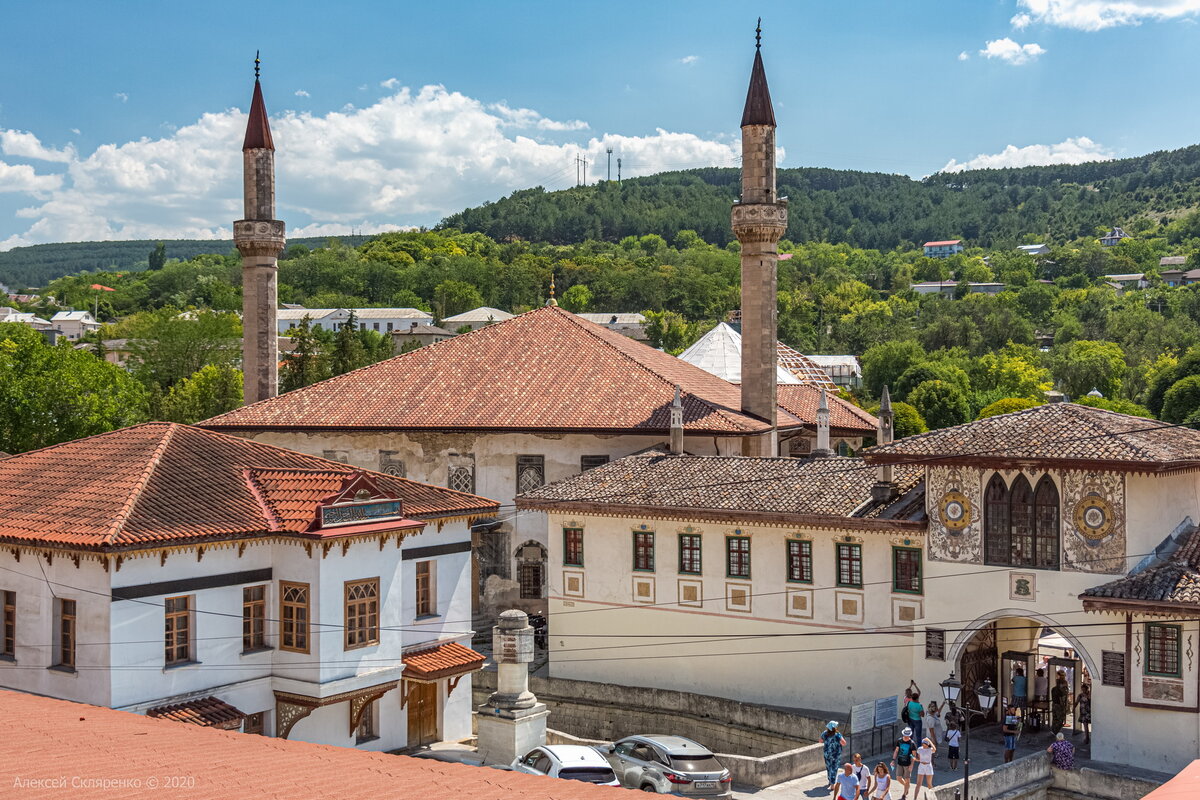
759	220
822	448
884	488
677	424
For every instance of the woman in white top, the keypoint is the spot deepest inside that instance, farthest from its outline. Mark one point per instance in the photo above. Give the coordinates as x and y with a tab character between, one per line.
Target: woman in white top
925	765
883	783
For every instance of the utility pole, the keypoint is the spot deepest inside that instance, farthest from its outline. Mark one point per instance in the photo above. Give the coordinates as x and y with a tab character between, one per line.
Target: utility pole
618	170
609	151
585	172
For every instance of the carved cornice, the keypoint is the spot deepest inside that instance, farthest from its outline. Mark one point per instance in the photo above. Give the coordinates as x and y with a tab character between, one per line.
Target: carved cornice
290	708
259	237
759	222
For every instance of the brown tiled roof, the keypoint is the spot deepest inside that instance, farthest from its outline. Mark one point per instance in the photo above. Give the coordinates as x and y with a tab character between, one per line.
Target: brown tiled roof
758	110
782	487
162	482
442	661
258	128
1053	434
844	416
46	739
543	370
1173	582
207	712
803	367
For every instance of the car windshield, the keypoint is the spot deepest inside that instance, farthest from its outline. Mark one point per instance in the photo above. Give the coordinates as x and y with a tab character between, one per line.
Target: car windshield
587	774
696	764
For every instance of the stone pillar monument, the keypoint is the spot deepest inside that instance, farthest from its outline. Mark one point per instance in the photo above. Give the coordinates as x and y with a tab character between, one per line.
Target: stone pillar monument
260	239
512	722
759	221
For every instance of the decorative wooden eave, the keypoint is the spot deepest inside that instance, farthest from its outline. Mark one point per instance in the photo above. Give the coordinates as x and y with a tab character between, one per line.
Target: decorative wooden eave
1147	608
290	708
823	521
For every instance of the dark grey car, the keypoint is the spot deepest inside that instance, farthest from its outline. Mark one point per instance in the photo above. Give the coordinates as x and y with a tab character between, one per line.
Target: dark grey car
669	765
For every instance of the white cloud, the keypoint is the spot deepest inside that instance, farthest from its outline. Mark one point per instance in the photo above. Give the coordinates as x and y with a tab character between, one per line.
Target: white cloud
409	159
689	60
75	131
23	144
302	93
390	83
1074	150
964	55
1009	51
1094	15
122	96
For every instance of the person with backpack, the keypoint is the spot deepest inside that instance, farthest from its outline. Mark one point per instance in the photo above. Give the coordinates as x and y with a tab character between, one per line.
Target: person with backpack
953	737
902	757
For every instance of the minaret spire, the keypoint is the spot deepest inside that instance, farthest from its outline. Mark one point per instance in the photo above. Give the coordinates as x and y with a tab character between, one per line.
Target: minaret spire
259	238
759	220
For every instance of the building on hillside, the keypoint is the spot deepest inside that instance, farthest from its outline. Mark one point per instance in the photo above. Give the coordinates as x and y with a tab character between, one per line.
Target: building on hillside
183	573
504	409
631	324
74	324
943	249
948	288
49	330
116	351
1061	537
380	320
1172	277
1113	237
720	352
110	754
476	318
1034	249
418	333
845	371
1126	281
1172	261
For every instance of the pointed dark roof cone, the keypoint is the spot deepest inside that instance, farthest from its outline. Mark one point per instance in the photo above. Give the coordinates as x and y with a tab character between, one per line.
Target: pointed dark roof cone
258	129
758	98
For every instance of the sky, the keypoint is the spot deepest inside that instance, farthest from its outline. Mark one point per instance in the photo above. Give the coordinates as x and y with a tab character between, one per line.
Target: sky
124	120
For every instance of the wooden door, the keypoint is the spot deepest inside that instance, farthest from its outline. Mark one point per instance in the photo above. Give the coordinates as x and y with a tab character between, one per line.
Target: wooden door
422	714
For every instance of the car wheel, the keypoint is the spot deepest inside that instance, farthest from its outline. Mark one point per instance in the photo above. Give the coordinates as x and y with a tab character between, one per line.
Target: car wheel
649	787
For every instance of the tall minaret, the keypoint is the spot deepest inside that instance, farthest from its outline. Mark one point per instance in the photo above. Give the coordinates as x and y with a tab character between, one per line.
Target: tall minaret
759	221
260	239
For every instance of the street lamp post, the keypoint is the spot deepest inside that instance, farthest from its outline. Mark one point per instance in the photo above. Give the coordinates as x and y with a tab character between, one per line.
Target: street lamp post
986	695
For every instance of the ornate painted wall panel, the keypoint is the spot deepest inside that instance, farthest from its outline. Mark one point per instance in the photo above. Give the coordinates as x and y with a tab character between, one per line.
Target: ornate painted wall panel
955	515
1093	516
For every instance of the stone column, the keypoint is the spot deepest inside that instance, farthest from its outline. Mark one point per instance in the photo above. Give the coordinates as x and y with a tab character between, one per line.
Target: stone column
512	722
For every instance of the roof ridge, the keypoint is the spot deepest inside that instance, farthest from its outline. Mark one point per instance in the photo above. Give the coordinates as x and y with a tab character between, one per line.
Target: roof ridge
1086	418
593	330
136	494
256	490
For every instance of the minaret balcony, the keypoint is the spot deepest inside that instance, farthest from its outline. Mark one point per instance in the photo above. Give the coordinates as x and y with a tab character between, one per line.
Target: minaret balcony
759	222
259	237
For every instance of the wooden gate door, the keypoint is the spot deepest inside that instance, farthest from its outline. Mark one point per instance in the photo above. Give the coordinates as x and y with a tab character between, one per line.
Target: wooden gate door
422	714
979	663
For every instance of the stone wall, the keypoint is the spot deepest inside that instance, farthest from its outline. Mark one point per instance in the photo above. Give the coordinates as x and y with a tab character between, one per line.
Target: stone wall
1032	778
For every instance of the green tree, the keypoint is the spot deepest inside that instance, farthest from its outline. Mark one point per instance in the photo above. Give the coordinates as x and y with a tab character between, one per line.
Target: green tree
158	257
348	352
1007	406
55	394
931	371
884	363
906	420
1182	399
454	297
940	403
166	346
1084	365
1119	406
306	363
577	299
211	391
669	331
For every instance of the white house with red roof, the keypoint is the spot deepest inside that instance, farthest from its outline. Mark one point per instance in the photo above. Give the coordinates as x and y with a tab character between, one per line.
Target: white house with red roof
943	249
180	573
504	409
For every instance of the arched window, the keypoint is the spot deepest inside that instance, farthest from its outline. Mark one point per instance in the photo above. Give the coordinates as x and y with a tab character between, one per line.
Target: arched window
1020	516
995	522
1046	524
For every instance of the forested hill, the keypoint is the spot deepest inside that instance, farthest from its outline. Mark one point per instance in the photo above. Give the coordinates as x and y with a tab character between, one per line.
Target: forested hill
872	210
39	264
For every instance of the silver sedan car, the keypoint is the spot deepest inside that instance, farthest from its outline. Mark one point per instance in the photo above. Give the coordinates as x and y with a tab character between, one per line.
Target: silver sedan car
669	765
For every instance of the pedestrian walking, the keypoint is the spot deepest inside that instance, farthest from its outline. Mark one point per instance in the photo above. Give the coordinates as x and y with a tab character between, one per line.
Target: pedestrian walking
925	755
845	783
1084	703
833	744
1020	688
902	757
1062	753
1012	726
953	737
933	722
863	773
1060	696
883	783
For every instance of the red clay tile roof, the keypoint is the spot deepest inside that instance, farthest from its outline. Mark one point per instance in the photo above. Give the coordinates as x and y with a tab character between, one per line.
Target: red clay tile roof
46	739
1174	582
1052	434
687	484
844	416
207	712
442	661
162	482
544	370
